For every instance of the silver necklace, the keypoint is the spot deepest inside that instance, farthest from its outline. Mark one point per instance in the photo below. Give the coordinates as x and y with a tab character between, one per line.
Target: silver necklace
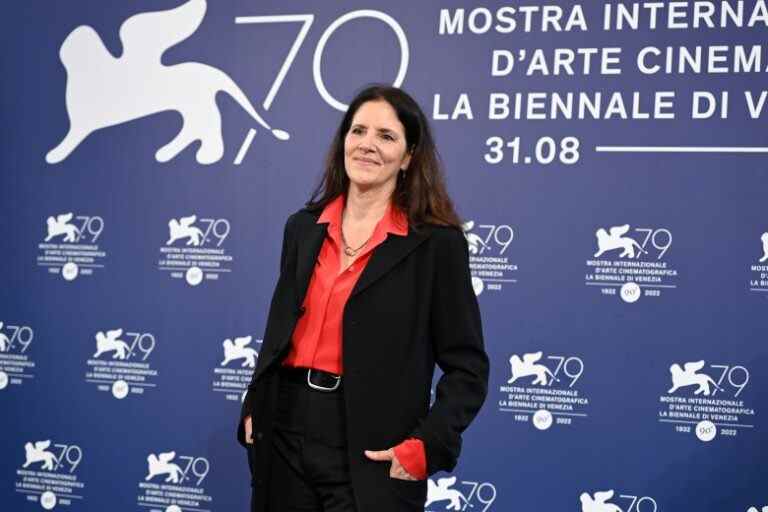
349	251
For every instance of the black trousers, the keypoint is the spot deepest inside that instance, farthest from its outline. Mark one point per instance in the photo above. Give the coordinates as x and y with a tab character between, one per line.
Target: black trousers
310	469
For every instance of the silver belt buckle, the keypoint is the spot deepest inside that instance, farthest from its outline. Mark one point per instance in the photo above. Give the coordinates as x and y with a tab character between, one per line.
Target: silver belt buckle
321	388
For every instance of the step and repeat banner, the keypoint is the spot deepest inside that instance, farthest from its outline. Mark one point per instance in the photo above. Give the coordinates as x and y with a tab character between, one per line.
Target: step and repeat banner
608	159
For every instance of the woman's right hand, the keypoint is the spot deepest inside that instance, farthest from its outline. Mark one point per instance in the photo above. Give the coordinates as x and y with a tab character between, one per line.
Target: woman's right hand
248	430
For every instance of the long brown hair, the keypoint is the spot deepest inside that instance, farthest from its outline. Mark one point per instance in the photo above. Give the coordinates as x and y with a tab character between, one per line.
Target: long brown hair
421	194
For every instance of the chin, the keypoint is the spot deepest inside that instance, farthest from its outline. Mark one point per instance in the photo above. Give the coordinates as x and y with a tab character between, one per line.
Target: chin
362	177
363	184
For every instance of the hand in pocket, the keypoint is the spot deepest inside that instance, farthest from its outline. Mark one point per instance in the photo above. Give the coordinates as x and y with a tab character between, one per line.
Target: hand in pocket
248	429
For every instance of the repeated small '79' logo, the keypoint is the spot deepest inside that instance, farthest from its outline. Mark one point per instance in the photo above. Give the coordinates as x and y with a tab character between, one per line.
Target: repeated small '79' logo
464	496
603	501
113	341
52	457
20	338
89	226
177	470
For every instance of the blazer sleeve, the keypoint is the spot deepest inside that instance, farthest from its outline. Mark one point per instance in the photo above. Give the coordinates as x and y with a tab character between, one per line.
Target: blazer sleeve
457	340
245	410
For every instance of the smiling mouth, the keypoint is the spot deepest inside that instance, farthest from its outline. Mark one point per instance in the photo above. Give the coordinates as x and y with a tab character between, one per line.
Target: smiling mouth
366	161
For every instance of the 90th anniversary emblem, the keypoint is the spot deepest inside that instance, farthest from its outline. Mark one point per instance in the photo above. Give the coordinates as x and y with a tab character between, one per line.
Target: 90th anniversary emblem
543	390
706	399
233	374
195	249
121	362
174	483
49	474
489	261
70	247
632	263
16	364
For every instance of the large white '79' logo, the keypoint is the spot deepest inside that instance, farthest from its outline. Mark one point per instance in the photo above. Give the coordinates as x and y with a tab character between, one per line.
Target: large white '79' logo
306	21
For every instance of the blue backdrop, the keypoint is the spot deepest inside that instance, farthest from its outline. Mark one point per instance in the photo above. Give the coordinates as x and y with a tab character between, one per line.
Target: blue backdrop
608	159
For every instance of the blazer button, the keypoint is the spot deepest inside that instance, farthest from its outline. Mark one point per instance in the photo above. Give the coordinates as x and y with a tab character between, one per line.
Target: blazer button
259	436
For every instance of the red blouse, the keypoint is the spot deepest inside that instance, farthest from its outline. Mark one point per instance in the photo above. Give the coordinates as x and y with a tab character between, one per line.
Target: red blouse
316	341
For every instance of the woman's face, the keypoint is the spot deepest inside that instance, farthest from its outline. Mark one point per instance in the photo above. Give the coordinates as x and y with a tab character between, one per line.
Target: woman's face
375	146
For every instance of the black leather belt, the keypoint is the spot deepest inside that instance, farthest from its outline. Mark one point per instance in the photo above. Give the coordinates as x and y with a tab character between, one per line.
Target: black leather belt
318	380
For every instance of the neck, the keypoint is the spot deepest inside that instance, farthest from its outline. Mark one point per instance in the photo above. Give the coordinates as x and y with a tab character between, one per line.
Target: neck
366	205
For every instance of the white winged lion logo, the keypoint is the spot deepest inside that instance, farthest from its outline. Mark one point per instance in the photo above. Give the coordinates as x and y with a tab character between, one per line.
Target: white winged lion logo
688	376
526	366
598	503
239	349
614	239
161	464
103	90
38	452
5	343
60	225
441	491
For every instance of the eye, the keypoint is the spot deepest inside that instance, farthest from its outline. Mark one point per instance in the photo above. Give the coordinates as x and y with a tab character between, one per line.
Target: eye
387	136
357	130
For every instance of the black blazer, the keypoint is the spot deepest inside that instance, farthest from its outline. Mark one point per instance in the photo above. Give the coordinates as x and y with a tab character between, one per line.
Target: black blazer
413	306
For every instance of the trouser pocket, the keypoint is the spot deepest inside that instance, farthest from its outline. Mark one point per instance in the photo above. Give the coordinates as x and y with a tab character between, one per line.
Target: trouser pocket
249	451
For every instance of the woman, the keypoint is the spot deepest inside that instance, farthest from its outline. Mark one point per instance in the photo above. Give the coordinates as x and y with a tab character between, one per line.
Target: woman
374	290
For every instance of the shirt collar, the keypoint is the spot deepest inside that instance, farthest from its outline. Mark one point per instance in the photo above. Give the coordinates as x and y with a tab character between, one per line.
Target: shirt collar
394	220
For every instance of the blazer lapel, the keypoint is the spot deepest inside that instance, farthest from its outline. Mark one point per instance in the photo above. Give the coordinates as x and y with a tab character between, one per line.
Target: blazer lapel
309	244
390	252
393	249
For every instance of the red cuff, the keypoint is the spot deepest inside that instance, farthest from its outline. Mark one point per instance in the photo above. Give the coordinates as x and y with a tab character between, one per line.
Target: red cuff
412	457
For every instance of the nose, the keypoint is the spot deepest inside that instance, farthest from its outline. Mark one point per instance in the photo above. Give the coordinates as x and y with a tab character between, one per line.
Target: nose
367	144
